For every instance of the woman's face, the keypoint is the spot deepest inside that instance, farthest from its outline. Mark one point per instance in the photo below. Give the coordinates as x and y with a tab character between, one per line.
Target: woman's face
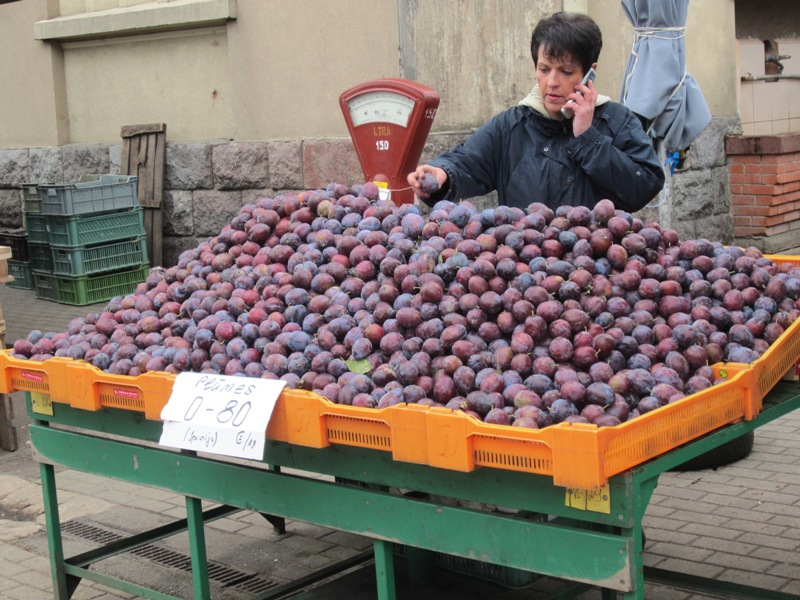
557	80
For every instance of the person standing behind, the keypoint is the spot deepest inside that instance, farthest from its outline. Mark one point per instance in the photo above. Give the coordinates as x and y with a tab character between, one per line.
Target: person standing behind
533	153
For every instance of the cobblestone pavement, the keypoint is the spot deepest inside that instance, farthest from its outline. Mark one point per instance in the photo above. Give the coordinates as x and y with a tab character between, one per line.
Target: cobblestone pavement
739	523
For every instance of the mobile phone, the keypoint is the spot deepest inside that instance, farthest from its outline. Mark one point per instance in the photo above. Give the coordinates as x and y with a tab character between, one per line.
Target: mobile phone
591	74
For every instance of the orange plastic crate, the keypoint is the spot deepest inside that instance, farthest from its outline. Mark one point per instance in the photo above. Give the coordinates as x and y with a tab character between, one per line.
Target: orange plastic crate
575	455
84	386
781	356
583	455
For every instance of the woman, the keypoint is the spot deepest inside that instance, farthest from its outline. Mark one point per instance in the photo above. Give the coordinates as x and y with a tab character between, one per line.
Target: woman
533	153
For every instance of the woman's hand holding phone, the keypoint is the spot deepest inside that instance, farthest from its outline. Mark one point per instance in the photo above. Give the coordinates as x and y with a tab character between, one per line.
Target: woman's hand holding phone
580	106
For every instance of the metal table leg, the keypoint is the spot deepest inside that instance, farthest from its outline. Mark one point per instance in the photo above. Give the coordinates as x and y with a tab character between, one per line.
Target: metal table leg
197	544
63	586
384	569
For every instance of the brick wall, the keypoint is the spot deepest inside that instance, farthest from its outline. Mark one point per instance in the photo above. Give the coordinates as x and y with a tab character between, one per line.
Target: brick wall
765	191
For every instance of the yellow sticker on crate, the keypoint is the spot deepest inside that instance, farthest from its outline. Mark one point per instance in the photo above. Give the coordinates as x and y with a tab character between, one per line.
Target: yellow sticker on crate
41	404
593	500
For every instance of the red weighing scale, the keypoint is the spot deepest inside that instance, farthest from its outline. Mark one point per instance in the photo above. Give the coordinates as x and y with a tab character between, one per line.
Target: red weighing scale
389	121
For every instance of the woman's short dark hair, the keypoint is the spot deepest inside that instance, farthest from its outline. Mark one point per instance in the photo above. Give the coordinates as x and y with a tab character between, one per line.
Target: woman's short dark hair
565	33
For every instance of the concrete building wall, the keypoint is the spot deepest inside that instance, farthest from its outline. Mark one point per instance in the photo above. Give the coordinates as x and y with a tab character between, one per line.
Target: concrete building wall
268	73
275	69
32	108
179	78
289	61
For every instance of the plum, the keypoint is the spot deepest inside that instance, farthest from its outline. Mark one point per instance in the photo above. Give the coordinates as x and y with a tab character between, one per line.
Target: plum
533	309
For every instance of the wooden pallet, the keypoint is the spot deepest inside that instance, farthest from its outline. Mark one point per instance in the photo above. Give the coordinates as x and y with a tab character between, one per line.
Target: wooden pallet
143	155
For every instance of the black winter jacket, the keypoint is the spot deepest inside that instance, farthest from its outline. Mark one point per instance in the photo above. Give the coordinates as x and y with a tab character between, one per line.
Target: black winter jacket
528	157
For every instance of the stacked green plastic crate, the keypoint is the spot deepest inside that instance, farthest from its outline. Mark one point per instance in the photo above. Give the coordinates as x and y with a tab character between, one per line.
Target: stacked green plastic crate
20	265
96	242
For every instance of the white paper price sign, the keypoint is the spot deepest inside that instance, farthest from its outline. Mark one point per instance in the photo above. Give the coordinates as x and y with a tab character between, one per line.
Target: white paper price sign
219	414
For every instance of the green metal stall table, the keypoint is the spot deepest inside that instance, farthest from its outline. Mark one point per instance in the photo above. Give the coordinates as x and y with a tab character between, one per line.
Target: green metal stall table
123	445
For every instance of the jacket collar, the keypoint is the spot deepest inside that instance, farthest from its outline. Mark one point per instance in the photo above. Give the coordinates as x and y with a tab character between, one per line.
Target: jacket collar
534	101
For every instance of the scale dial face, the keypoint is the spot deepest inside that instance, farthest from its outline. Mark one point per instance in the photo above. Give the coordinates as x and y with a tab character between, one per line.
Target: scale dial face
380	107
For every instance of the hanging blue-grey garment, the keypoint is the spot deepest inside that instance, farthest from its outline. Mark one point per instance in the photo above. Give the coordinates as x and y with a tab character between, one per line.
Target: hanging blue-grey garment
656	84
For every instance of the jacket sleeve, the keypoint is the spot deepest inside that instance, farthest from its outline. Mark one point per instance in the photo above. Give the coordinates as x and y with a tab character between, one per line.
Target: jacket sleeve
625	167
472	167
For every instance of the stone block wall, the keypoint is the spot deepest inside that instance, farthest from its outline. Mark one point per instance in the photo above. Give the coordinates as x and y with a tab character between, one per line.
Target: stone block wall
205	183
697	199
765	191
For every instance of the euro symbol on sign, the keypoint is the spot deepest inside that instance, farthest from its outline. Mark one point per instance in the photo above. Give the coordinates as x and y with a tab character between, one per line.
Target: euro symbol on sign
239	437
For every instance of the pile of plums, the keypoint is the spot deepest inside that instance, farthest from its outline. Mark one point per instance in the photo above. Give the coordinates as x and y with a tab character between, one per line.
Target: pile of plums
519	317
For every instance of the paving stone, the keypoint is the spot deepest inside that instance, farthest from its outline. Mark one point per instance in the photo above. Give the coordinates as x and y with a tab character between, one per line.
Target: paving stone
736	502
770	497
685	493
338	553
316	561
37	577
793	490
690	568
793	511
683	514
717	544
14	553
304	545
656	510
228	525
759	580
342	538
23	593
721	489
155	506
742	473
6	583
177	512
85	592
260	532
668	535
787	520
677	550
755	527
737	561
308	530
711	531
9	568
158	494
778	556
769	541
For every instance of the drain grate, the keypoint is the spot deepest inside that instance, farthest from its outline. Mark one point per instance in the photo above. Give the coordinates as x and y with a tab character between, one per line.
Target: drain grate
217	572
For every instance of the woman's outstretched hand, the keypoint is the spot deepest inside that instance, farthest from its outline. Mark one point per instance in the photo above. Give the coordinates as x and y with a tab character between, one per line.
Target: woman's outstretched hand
427	180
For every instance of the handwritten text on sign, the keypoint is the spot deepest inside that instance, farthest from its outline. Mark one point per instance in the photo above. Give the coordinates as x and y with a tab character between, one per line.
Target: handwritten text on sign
219	414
